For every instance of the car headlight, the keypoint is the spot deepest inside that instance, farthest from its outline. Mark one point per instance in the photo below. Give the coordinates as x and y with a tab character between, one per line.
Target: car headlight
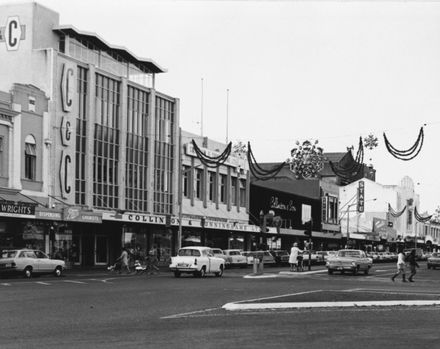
353	264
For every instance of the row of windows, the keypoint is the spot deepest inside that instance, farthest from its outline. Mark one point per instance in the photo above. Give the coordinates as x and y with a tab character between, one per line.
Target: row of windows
217	187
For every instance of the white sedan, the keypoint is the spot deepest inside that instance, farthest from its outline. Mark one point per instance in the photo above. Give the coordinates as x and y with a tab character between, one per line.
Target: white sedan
29	262
235	258
197	260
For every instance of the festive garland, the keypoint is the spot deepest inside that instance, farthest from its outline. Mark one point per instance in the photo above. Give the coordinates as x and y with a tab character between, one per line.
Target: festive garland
212	161
257	171
352	170
420	218
394	213
409	153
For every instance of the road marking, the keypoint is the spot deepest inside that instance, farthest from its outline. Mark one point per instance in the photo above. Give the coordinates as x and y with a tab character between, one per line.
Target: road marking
74	282
42	283
278	296
297	305
175	316
5	284
103	280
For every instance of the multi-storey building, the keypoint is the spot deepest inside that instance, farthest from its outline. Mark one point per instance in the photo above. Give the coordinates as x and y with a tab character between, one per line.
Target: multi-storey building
84	130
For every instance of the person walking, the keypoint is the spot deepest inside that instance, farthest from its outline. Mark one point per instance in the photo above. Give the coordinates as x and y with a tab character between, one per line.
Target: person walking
124	261
400	266
411	259
293	258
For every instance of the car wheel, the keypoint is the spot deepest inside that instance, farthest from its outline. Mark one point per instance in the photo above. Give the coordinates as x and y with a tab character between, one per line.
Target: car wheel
219	273
177	274
28	272
356	270
330	271
58	271
429	267
367	271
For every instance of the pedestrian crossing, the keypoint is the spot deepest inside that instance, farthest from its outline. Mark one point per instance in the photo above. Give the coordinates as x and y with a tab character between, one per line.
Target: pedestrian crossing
46	283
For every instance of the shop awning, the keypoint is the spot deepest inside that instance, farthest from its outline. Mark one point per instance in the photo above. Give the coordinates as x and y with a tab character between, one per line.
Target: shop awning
12	196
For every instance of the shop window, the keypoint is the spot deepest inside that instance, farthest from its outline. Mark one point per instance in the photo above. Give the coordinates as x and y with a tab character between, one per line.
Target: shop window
30	158
233	190
185	171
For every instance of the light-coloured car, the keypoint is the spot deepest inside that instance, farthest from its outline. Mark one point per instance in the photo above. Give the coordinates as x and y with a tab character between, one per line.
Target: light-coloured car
218	252
433	261
349	260
197	260
265	255
28	262
235	258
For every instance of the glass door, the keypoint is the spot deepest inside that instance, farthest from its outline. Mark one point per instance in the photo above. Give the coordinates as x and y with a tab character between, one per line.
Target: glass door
101	250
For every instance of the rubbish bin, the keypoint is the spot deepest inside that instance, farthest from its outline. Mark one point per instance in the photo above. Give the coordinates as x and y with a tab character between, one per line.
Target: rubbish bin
258	265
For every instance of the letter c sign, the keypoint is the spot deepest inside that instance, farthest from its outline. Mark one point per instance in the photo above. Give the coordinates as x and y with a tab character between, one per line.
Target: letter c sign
12	33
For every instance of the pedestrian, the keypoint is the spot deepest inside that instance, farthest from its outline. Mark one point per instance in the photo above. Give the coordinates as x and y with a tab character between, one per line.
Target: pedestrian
293	258
124	261
411	259
400	266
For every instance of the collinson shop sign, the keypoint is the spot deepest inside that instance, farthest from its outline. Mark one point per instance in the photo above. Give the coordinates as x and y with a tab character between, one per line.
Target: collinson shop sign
71	214
186	222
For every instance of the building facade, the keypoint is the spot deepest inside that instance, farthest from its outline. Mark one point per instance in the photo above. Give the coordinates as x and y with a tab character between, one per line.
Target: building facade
105	152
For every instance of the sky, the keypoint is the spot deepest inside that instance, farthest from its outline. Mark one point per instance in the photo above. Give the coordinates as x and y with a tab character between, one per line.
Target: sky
275	72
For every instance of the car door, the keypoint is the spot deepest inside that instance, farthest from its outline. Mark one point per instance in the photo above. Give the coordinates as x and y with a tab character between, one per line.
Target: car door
43	261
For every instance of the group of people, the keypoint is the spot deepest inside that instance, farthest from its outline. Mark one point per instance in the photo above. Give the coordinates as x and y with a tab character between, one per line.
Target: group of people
402	260
149	263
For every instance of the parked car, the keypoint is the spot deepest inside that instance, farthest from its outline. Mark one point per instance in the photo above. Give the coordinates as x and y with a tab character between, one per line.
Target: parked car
267	257
324	255
434	260
349	260
314	257
28	262
281	256
197	260
219	253
235	259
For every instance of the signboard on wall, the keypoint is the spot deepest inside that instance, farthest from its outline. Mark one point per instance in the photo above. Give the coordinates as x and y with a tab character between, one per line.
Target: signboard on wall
12	33
361	197
67	132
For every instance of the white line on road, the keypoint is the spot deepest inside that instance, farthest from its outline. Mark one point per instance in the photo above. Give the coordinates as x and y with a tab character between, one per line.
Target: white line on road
175	316
74	282
279	296
42	283
5	284
297	305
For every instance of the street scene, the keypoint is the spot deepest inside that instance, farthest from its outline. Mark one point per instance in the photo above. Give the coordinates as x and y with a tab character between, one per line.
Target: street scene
211	174
152	311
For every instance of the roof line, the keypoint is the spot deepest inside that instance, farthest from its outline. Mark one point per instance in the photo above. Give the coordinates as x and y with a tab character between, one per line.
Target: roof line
110	46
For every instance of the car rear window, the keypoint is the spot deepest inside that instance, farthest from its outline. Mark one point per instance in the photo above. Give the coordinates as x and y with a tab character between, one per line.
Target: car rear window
189	253
234	253
349	254
9	254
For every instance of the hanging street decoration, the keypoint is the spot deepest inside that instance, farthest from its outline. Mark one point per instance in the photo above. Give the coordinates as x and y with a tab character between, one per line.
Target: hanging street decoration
257	171
348	169
212	161
371	141
306	160
239	149
420	218
409	153
395	214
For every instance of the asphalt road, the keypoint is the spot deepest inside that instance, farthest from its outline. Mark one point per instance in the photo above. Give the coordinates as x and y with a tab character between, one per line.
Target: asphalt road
102	310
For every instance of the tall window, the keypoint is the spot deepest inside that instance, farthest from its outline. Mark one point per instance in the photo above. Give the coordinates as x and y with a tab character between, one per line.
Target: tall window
233	191
186	175
30	158
242	183
137	150
211	193
223	189
81	126
106	143
199	184
164	152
